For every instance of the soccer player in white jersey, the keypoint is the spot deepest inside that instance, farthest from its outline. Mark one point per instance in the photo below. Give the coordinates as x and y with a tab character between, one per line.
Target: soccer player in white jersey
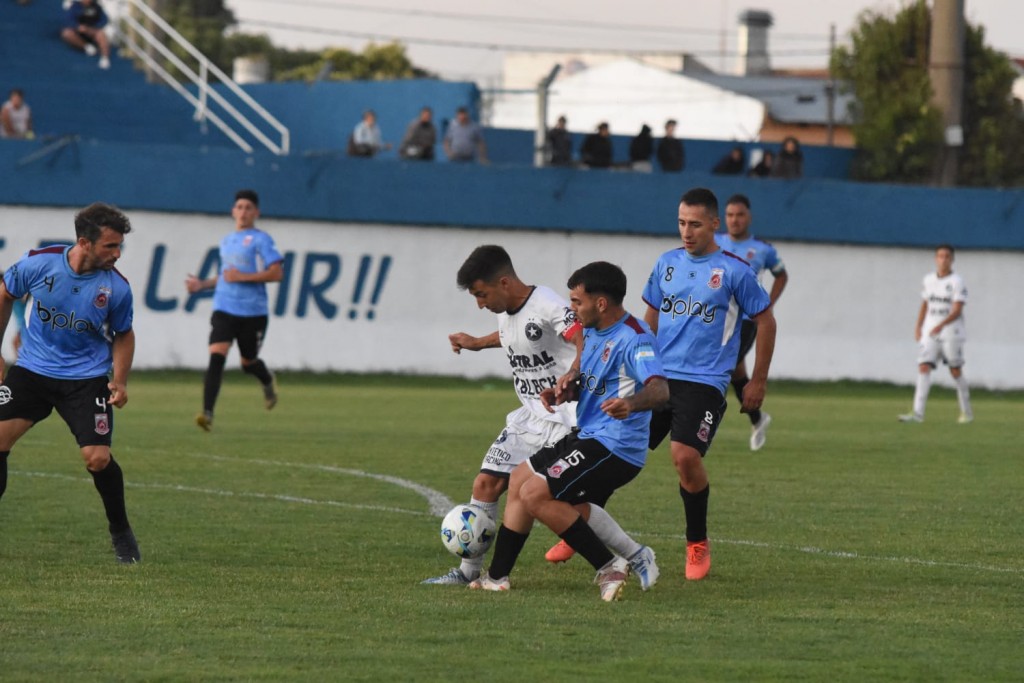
941	333
695	297
542	341
761	256
564	485
80	330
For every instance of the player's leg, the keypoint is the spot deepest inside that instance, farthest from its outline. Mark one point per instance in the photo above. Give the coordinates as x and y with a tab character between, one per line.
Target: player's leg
23	404
515	528
697	411
250	339
929	352
10	431
953	352
222	333
84	407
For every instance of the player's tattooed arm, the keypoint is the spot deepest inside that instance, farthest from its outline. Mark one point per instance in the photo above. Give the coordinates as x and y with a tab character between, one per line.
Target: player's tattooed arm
654	394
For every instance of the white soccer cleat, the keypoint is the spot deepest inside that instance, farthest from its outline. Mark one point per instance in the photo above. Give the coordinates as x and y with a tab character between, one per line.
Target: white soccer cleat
89	49
486	583
611	579
453	578
911	417
759	432
104	63
965	418
646	569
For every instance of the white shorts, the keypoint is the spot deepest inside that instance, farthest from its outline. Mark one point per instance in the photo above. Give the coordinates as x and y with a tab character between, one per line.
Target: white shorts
524	434
934	349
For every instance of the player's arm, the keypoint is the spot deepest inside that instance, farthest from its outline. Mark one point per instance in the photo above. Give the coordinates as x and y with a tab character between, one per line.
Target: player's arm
566	384
123	350
272	273
921	313
778	285
461	340
954	313
6	306
753	393
651	318
194	284
654	394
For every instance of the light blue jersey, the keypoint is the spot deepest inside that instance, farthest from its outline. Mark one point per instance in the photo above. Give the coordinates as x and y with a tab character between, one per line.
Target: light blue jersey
71	316
699	303
759	254
616	363
249	251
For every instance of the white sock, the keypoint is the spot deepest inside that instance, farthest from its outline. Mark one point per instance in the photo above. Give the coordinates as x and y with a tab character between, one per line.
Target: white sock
963	395
470	568
924	385
611	534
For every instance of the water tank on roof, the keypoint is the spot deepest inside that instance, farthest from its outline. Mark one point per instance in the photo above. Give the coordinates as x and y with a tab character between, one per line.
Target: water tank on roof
254	69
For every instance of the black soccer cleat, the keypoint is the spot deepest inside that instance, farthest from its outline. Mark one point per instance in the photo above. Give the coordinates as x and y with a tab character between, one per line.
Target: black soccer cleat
126	548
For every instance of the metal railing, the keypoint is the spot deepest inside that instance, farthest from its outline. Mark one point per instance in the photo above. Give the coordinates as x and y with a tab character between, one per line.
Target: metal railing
133	31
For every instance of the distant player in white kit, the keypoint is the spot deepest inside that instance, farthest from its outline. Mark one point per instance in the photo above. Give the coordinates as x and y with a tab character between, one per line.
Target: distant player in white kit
941	334
542	340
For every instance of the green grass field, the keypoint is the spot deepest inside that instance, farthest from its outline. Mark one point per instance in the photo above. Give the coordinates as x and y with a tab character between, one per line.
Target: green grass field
281	547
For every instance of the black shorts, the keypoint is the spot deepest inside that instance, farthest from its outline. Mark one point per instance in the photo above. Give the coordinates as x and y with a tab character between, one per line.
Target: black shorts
582	470
82	403
748	333
692	415
249	331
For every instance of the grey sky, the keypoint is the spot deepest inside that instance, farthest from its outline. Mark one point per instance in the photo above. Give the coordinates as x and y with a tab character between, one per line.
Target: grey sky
476	31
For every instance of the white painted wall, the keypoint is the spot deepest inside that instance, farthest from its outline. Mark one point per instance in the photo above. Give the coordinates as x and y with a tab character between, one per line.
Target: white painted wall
848	312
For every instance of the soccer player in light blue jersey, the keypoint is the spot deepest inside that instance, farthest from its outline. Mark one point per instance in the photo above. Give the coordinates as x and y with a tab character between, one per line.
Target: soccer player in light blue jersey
620	381
80	330
248	260
761	256
695	297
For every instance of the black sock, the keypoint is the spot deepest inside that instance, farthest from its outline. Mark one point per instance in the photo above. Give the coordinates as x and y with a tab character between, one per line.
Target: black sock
211	383
737	385
3	471
259	371
507	547
110	483
583	540
696	507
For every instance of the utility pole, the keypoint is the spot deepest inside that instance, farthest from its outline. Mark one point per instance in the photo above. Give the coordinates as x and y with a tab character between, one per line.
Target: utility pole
540	134
946	72
830	89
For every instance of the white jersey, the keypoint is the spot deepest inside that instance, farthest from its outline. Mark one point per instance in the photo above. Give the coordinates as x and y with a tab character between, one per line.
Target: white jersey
940	293
535	340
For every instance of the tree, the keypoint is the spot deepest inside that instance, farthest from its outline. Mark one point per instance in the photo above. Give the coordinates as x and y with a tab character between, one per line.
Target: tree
898	131
377	62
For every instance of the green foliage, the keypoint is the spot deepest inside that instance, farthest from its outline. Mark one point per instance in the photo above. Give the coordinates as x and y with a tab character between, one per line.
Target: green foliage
851	548
376	62
899	131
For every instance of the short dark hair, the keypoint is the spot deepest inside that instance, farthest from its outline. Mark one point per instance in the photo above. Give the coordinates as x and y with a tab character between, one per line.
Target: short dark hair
701	196
946	245
670	122
600	277
90	221
250	195
487	263
739	199
18	92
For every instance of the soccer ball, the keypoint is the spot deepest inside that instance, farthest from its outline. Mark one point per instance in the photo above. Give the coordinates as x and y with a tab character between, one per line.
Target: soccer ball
467	531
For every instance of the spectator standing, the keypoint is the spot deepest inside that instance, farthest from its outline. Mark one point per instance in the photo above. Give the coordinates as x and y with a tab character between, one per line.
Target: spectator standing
16	117
596	151
671	155
420	137
733	163
764	167
464	141
790	163
83	29
366	139
558	145
640	150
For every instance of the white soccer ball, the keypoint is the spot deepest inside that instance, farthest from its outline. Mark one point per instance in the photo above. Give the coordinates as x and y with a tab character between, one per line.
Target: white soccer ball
467	531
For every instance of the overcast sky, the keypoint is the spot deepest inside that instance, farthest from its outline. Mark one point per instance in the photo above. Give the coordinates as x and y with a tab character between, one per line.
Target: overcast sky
463	40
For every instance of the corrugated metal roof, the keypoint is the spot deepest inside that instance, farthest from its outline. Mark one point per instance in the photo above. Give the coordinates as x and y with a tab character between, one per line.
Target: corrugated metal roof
789	99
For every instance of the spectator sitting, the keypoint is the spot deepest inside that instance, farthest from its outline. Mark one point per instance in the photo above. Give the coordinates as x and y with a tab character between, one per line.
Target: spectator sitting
464	140
640	150
420	138
763	169
790	162
16	118
558	145
733	163
365	140
596	150
671	155
83	29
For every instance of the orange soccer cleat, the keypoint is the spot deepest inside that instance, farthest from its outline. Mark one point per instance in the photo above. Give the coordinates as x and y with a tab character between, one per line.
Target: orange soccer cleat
698	560
559	552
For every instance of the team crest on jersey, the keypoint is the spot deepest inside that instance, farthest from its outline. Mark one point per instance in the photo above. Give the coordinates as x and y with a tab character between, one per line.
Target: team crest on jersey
607	353
247	240
558	469
751	254
716	278
102	298
704	432
102	423
533	331
5	394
